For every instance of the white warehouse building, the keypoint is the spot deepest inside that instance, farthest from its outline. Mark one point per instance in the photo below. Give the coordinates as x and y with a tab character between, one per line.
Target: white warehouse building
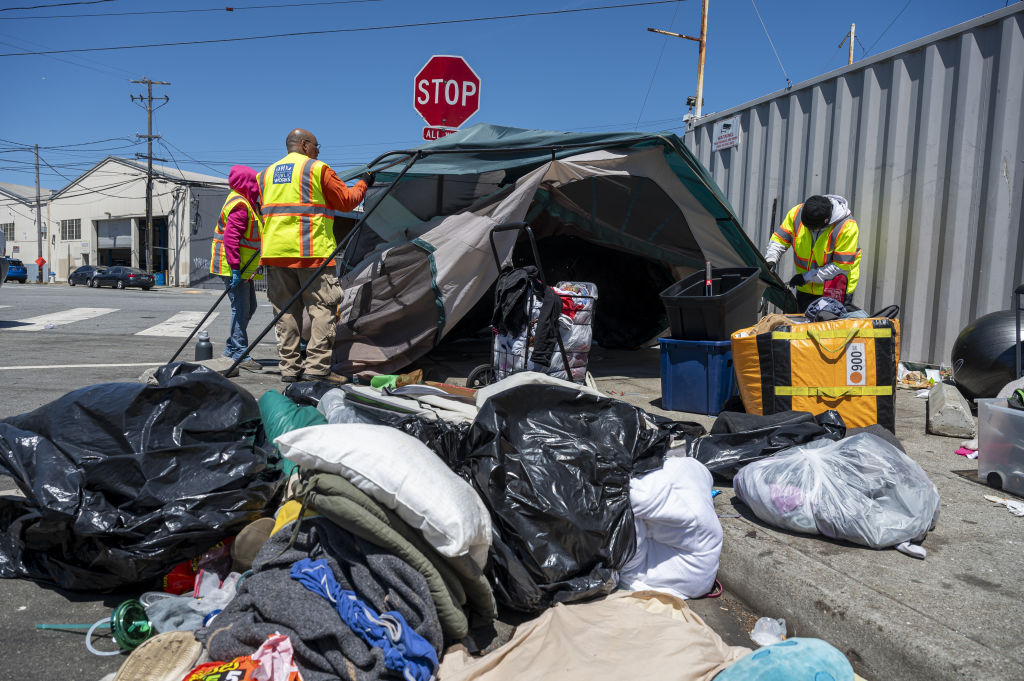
99	218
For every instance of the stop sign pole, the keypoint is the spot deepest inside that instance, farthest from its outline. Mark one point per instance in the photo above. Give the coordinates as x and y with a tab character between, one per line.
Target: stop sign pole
446	93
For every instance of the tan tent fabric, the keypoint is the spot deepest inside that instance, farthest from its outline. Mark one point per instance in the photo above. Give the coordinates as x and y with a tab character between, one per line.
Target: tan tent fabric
638	635
389	316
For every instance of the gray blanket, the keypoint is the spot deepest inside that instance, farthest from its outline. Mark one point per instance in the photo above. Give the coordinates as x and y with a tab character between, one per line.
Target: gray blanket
270	601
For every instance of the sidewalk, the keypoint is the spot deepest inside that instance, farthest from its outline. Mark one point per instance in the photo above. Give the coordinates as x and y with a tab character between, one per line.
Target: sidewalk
954	615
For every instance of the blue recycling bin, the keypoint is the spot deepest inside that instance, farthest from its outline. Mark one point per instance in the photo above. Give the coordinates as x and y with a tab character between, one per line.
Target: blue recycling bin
696	376
160	278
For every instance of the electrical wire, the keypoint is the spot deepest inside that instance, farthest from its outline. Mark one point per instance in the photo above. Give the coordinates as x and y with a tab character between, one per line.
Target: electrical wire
65	60
445	22
186	11
789	83
898	14
65	146
58	4
186	155
650	85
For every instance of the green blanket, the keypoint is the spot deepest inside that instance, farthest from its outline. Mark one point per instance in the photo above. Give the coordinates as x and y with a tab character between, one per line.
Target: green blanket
454	583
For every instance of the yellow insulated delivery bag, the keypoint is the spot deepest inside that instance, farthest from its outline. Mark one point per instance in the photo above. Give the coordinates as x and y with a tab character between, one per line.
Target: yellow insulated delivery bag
845	364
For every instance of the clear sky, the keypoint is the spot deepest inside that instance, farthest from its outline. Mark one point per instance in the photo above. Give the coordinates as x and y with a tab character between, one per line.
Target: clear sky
234	102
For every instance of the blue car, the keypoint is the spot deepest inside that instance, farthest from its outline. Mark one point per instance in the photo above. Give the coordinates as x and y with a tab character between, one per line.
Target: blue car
16	271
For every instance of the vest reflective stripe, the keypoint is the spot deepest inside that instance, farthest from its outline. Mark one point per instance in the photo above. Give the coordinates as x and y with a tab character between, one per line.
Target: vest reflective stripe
297	221
783	235
248	242
299	210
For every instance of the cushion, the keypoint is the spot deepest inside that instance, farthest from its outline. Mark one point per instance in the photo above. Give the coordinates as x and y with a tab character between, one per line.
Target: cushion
403	474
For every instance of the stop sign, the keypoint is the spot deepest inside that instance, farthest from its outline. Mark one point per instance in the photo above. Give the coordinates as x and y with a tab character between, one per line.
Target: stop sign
447	91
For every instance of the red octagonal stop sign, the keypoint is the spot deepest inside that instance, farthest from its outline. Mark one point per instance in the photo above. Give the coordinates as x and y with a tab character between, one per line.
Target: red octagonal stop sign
447	91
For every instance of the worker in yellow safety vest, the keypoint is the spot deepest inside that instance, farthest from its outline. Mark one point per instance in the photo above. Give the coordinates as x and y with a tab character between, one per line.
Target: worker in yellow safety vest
299	196
236	240
824	238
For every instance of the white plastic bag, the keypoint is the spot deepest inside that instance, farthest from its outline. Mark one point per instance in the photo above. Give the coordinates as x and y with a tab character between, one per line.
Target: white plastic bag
336	409
768	631
861	489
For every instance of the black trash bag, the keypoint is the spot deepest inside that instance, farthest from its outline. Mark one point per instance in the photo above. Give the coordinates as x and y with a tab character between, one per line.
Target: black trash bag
553	466
738	439
445	438
305	393
122	481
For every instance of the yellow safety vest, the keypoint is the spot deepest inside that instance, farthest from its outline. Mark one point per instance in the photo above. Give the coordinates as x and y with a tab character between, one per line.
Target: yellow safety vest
837	244
298	227
248	243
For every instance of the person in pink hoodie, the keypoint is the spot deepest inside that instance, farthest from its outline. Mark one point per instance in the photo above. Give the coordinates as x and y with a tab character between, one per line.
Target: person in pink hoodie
235	258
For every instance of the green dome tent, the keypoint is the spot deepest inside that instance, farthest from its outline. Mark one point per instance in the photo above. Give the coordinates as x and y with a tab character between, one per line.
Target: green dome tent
606	204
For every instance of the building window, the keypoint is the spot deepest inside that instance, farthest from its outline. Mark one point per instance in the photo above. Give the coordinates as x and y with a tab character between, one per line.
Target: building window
71	230
8	230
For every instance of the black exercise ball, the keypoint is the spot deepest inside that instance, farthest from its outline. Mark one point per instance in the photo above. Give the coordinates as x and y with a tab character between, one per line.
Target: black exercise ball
984	359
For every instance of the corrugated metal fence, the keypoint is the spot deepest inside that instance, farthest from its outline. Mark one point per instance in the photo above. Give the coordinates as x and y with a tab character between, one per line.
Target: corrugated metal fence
927	142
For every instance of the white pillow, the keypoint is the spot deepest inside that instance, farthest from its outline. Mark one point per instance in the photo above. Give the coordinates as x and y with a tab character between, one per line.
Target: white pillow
403	474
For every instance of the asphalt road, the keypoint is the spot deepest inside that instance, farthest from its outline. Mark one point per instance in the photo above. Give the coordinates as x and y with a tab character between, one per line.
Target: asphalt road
55	338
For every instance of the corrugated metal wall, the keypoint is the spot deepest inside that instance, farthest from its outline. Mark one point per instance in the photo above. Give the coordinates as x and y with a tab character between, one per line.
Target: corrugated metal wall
927	142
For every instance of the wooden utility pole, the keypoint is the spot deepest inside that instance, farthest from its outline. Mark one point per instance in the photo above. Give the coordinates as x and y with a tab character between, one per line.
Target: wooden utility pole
702	41
39	220
850	37
148	99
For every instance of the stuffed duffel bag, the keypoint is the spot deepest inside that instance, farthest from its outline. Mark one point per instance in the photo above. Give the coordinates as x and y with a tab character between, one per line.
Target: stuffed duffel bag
844	364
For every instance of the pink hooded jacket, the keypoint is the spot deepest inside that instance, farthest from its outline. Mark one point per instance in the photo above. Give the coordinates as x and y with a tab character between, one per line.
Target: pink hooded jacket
243	180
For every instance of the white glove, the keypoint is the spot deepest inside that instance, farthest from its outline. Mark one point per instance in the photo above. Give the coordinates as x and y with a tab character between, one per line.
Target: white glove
822	274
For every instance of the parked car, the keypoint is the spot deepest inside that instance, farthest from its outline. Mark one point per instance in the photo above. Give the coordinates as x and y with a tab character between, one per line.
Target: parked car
16	271
122	277
84	274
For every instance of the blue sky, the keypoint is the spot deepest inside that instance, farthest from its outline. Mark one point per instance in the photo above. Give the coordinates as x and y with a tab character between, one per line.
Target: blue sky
234	102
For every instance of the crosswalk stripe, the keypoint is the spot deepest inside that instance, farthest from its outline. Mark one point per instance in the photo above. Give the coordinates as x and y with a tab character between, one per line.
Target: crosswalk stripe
75	314
178	326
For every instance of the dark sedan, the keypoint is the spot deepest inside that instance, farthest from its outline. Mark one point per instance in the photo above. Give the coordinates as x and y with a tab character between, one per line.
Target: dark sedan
123	277
16	270
84	274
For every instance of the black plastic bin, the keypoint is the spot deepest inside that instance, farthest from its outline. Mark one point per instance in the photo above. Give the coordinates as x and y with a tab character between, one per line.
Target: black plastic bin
732	305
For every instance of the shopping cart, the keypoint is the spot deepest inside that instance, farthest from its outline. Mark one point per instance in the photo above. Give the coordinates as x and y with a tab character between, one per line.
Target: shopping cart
513	352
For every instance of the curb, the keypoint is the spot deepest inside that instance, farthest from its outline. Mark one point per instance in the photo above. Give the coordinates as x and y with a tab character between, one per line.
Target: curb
882	637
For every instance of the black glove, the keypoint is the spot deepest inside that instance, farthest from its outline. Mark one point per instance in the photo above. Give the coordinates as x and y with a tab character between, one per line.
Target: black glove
797	280
773	267
368	178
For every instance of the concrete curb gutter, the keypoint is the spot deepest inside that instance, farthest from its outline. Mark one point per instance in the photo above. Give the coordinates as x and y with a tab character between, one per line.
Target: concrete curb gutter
883	637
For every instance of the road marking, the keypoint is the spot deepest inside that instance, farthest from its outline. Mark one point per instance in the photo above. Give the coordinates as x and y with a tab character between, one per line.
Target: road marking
75	314
82	366
178	326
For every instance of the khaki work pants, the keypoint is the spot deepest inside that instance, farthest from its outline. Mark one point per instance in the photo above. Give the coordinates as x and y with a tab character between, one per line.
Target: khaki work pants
321	301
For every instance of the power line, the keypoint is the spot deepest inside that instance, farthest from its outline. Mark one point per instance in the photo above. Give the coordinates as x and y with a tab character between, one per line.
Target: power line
898	14
98	69
65	146
788	81
187	11
650	85
58	4
389	27
187	155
